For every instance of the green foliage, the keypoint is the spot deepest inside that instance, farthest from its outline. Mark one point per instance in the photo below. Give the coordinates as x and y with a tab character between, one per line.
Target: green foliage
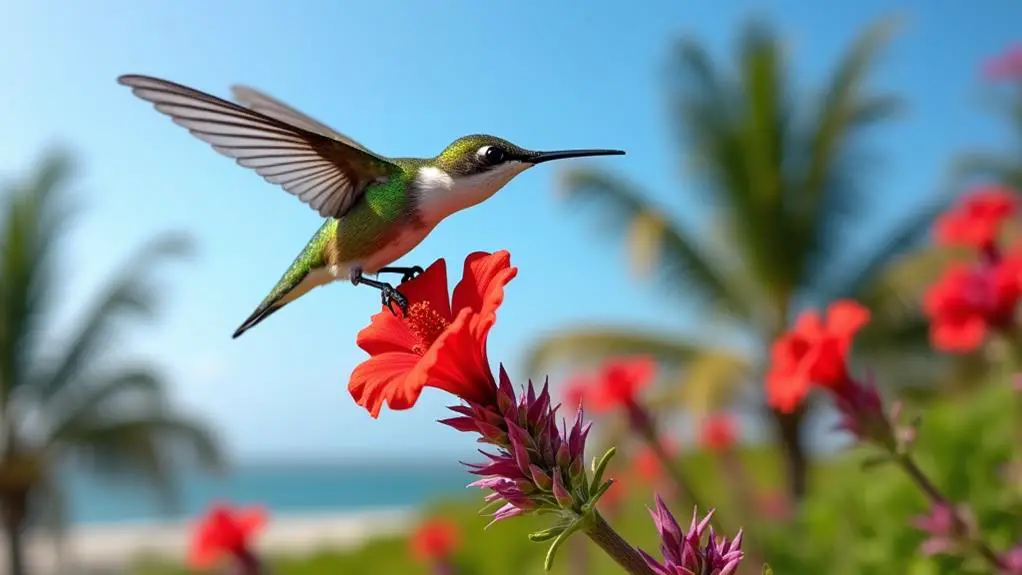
854	521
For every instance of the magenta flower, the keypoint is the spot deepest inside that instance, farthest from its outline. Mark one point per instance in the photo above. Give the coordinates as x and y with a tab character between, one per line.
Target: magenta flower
1011	561
945	526
685	554
536	465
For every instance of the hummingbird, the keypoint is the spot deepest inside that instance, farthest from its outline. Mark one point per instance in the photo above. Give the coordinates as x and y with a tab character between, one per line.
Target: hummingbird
377	208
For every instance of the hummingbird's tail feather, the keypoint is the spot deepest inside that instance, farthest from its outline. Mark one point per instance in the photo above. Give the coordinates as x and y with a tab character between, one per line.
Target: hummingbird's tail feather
261	313
308	270
294	284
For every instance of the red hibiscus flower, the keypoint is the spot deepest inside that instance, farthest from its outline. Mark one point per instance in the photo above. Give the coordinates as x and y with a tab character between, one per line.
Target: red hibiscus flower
440	343
967	302
813	352
976	222
619	381
225	532
434	540
718	432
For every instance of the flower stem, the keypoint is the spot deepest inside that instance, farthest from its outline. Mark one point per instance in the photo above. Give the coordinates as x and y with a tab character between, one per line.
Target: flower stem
604	536
936	497
643	424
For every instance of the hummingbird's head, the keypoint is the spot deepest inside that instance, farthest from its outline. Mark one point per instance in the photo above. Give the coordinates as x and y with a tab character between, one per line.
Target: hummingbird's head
473	168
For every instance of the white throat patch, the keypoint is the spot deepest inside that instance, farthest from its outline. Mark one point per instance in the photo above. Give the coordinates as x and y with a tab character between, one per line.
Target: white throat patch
441	195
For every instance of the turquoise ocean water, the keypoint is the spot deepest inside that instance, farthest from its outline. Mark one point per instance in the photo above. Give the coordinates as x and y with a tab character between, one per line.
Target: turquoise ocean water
283	489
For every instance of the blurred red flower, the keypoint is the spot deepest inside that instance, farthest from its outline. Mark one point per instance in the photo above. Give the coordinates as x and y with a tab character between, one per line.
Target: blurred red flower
1005	66
719	432
576	391
225	532
813	352
434	540
965	303
440	343
619	381
976	222
647	466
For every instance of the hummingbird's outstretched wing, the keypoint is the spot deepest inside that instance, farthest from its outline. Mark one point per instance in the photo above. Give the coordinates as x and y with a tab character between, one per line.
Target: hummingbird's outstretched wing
327	174
274	108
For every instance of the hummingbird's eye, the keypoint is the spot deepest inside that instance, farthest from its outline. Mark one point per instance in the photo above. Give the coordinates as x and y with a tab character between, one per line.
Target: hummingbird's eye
492	154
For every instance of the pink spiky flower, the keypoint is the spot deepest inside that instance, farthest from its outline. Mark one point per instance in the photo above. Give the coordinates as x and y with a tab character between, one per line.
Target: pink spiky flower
536	464
685	553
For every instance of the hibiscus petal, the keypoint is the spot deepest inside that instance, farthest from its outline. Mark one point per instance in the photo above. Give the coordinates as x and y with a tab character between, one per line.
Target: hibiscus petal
482	283
429	286
203	554
386	333
963	335
386	378
457	362
808	325
785	390
251	520
845	317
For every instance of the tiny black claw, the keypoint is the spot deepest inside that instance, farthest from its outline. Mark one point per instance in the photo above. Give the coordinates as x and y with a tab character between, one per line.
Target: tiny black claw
390	296
412	273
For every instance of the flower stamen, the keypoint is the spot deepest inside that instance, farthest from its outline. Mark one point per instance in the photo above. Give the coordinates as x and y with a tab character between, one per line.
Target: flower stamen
426	324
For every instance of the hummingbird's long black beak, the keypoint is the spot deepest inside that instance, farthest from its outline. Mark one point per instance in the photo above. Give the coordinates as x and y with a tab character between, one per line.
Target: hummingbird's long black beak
540	157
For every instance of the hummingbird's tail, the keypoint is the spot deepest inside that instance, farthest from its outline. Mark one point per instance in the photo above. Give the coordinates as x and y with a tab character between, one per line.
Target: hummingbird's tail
293	285
307	271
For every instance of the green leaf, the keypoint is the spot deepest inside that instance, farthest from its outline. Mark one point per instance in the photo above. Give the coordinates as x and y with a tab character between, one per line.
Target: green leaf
600	466
767	570
547	534
561	538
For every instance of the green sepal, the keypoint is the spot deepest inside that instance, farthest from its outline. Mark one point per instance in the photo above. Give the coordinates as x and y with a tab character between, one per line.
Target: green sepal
547	534
600	466
598	494
561	538
767	570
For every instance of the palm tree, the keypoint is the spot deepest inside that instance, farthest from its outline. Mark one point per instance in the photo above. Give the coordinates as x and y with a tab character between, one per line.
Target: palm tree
62	402
784	181
1002	167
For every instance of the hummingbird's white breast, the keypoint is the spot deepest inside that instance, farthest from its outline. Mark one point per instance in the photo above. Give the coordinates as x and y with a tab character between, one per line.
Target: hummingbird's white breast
440	194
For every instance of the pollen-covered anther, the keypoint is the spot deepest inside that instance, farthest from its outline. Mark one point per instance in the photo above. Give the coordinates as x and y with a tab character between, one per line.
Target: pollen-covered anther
426	323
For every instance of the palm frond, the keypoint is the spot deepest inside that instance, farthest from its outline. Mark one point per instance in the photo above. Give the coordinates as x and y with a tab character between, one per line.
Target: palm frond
93	396
30	222
127	296
682	259
596	343
891	274
709	381
1001	169
139	444
828	192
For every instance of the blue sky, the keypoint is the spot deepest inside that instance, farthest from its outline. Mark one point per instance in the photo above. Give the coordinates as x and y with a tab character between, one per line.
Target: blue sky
405	78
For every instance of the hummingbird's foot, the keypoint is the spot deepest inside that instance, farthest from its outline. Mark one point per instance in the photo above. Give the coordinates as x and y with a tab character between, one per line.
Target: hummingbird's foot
407	273
391	296
388	293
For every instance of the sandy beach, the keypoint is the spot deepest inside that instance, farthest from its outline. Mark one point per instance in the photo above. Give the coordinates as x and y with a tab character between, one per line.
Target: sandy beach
109	549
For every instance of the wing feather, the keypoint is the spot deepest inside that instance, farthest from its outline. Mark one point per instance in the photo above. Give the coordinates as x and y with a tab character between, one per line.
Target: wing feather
326	173
264	103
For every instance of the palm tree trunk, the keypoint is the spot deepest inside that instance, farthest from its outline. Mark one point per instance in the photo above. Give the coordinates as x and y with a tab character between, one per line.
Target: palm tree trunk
789	430
12	508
